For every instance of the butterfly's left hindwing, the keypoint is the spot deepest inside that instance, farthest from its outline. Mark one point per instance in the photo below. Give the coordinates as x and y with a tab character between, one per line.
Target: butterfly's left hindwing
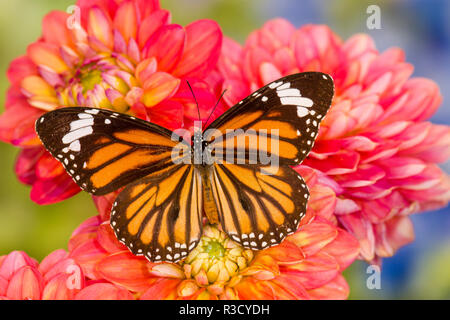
103	150
160	216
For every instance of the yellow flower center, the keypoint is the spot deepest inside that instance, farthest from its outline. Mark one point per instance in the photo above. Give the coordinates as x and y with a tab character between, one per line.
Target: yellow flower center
90	79
215	249
217	259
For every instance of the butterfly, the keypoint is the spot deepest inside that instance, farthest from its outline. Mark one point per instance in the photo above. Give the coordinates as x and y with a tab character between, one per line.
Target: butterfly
159	211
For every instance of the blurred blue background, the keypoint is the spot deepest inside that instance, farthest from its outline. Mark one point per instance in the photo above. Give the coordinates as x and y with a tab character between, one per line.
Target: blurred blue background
420	270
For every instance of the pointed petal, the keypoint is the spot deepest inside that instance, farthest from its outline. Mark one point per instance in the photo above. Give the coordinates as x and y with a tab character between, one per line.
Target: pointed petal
104	291
47	54
166	45
162	289
127	270
100	27
25	284
48	191
126	20
337	289
54	28
151	24
158	87
203	45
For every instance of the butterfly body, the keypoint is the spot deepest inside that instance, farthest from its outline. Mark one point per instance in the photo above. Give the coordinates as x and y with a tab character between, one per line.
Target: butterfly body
237	171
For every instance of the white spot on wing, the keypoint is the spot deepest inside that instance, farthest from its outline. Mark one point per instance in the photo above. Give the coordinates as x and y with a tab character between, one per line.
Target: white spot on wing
77	134
92	111
301	112
74	125
275	84
75	146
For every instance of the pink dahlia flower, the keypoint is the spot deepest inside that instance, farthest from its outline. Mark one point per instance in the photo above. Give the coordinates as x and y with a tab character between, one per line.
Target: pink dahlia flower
307	265
122	55
375	143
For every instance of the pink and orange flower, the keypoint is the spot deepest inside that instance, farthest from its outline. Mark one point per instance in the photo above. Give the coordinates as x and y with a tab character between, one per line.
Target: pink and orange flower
375	144
123	55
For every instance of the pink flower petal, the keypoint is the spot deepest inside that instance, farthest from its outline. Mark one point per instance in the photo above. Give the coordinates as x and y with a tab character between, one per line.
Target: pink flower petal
48	191
14	261
337	289
100	27
104	291
127	270
166	45
25	284
203	45
125	20
54	28
151	24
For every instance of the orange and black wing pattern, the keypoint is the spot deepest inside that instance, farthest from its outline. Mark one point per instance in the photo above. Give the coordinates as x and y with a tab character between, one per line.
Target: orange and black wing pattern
160	216
103	150
288	110
258	206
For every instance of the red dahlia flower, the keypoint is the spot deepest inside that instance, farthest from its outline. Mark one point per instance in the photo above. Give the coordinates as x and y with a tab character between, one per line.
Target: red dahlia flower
307	265
125	56
375	142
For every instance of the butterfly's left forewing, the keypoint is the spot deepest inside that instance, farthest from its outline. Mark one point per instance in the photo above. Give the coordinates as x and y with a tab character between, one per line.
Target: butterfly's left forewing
103	150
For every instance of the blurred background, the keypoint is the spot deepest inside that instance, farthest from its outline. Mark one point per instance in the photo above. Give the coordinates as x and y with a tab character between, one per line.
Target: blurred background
421	28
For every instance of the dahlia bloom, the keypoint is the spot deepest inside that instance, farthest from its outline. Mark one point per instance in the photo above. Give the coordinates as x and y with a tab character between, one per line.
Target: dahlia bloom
375	143
123	55
307	265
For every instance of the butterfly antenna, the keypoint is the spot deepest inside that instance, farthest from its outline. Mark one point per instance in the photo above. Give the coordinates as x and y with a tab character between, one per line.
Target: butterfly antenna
217	103
195	99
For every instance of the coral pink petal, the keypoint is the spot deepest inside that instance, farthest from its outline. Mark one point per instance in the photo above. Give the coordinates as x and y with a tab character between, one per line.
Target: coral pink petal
344	248
314	236
57	288
158	87
337	289
54	28
52	259
151	24
315	271
87	255
161	289
125	20
393	234
46	54
203	46
100	27
25	166
107	239
17	124
166	45
104	291
20	68
339	163
53	190
125	269
25	284
362	230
